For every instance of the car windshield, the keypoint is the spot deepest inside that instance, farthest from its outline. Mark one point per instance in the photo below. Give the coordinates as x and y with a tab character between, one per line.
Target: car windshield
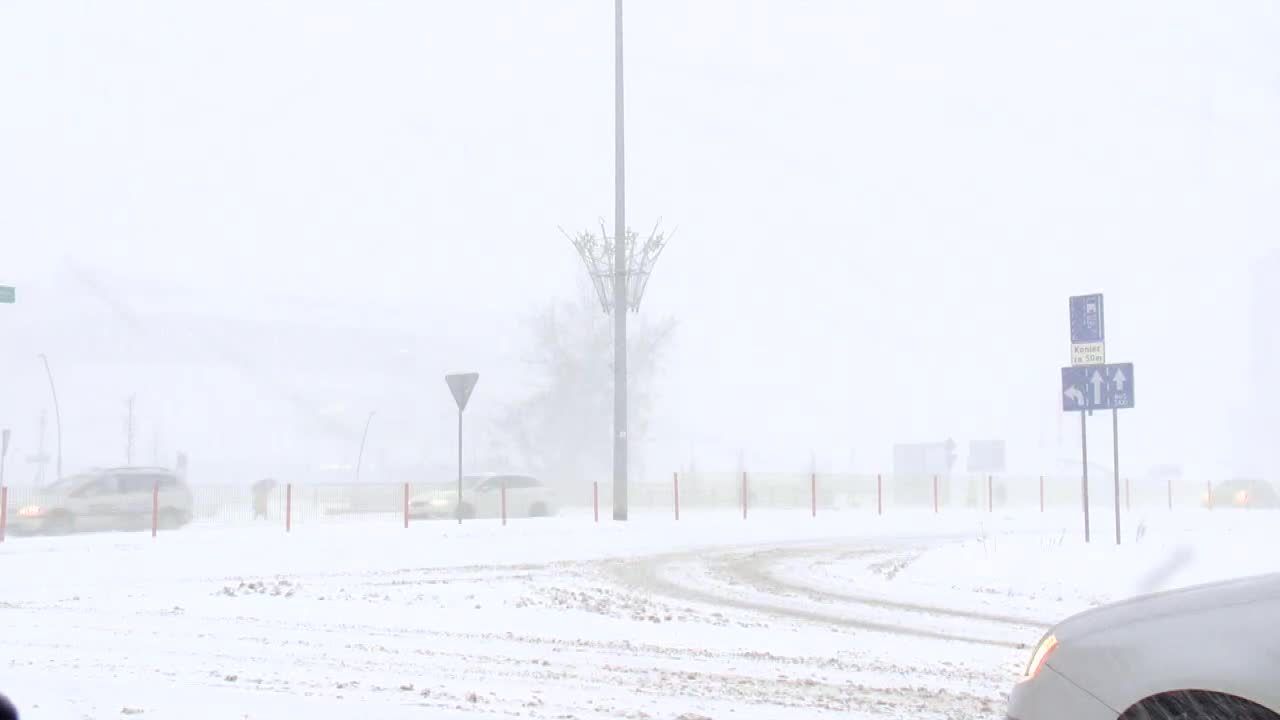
67	484
800	360
468	482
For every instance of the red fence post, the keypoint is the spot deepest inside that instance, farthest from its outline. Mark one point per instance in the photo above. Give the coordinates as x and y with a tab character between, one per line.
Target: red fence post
1208	484
4	510
1041	493
813	494
675	489
288	507
935	494
595	499
990	499
504	503
406	506
879	494
155	507
744	494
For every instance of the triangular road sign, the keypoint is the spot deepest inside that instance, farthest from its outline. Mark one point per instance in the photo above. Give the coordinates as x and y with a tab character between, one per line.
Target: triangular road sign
461	386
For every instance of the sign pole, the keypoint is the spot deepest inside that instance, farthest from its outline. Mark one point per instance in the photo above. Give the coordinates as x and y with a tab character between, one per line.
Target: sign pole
459	510
1115	444
1084	482
461	385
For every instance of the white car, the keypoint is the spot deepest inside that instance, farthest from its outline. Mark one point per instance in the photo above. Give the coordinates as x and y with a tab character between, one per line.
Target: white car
1210	652
482	498
106	499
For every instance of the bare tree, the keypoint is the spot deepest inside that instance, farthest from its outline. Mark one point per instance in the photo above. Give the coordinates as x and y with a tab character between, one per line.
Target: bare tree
562	430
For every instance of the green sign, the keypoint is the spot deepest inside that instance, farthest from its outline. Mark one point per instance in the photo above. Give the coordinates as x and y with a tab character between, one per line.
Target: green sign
7	294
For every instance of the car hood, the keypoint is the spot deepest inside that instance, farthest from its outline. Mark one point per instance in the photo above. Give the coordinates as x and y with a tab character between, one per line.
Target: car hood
44	500
1191	600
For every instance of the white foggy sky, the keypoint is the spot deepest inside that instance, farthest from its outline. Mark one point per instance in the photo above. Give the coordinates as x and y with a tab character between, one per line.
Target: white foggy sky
882	207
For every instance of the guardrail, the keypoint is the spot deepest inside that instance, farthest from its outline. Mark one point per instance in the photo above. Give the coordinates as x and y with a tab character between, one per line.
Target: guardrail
290	505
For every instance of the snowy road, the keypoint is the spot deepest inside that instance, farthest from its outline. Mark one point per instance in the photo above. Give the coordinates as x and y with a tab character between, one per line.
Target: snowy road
557	619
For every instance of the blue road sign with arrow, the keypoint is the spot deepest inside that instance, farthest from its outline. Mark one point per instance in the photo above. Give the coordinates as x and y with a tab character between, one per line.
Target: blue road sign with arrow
1097	387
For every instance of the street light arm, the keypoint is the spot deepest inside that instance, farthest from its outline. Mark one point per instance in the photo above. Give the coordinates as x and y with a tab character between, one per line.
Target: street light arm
363	438
57	412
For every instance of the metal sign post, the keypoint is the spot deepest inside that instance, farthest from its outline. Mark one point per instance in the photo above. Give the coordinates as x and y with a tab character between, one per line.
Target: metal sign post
461	385
1115	443
1086	388
1084	480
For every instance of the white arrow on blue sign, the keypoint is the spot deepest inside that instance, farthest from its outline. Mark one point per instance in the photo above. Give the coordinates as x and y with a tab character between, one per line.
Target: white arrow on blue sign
1097	387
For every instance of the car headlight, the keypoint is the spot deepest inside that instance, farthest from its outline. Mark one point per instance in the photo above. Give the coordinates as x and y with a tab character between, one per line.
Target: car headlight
1040	656
31	511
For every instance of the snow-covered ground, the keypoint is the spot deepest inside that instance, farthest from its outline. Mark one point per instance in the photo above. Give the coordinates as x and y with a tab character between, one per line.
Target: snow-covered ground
779	616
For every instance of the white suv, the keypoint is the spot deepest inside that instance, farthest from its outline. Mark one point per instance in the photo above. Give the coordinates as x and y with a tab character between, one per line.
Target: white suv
482	498
106	499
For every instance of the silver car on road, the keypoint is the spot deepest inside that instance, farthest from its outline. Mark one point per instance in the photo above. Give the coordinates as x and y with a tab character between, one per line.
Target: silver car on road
125	498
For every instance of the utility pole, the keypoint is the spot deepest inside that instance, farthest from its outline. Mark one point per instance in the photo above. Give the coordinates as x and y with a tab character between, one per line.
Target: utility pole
619	267
41	459
619	284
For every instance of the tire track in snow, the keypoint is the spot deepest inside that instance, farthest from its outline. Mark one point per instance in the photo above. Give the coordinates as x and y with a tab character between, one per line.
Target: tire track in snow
646	574
756	570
